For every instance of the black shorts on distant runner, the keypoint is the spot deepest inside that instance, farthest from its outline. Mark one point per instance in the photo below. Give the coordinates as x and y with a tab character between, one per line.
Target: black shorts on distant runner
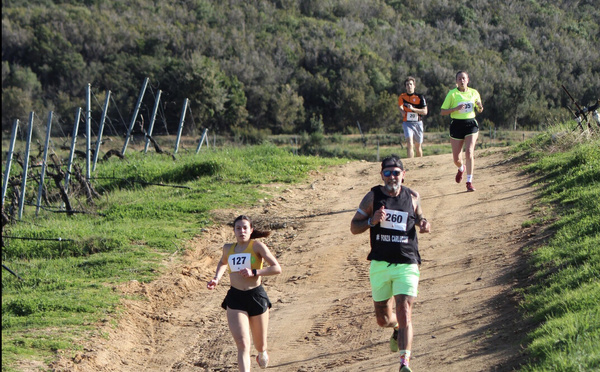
253	301
461	128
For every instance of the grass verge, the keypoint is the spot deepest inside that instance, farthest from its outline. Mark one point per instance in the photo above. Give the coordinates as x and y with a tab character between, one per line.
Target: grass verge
565	296
149	206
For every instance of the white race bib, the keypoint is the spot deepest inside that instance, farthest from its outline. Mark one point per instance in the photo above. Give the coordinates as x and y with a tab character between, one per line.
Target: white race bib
239	261
468	107
411	116
395	220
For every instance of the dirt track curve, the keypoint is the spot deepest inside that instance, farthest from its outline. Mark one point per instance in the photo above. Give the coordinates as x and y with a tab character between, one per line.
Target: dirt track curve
322	316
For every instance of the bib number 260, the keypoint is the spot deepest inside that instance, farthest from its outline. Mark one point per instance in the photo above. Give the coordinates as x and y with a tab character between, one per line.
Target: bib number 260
395	220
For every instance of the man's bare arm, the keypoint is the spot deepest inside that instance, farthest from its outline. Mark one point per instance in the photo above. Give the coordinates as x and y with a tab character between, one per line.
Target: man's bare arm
360	222
424	225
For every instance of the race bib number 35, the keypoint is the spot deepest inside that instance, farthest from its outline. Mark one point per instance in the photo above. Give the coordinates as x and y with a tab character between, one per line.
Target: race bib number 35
239	261
468	107
395	220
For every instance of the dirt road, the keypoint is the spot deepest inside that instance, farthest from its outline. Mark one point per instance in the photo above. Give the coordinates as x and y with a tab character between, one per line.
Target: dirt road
322	316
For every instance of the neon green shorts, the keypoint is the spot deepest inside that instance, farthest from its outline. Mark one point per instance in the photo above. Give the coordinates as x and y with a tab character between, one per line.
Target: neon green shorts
388	280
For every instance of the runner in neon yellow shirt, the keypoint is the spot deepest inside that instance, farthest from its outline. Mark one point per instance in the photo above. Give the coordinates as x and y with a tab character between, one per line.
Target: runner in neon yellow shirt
461	104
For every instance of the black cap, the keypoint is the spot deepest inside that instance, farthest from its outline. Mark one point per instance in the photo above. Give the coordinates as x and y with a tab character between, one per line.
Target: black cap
392	161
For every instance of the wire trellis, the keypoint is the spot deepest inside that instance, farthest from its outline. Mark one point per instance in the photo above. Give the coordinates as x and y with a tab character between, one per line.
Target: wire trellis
37	122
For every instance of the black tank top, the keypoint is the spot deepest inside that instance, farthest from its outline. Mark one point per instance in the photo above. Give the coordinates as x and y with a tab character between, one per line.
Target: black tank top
395	240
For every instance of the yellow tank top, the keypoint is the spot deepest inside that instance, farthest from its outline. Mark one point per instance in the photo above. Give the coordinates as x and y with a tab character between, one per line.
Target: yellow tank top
242	260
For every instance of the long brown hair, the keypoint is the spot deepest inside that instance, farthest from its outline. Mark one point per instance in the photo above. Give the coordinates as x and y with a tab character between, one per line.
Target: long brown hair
255	233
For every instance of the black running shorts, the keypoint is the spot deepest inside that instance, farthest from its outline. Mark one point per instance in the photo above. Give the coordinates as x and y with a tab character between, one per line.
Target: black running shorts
253	301
460	128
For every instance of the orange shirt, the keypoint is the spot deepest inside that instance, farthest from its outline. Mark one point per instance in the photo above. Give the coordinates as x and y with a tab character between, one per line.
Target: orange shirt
417	100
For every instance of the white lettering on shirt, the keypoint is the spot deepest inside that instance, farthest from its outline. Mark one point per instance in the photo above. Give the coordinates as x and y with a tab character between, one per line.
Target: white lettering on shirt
392	238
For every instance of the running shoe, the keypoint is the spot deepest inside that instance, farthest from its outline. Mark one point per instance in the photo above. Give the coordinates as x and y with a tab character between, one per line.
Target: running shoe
405	368
262	359
470	187
459	174
394	341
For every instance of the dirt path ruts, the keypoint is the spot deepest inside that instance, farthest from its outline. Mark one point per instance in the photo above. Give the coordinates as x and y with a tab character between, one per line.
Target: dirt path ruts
322	316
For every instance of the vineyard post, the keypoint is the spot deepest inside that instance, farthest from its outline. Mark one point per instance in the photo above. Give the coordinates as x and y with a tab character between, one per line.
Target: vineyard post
11	149
151	126
181	120
134	116
73	142
44	164
100	131
25	166
88	131
202	139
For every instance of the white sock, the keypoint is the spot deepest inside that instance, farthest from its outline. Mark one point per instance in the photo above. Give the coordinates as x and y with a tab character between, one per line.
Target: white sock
462	168
404	356
469	178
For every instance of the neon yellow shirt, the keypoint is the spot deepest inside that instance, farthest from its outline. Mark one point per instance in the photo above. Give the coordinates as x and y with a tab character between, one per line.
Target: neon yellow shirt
455	97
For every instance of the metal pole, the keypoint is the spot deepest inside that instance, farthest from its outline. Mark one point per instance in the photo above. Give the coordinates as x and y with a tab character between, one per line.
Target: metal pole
44	161
88	133
185	103
25	165
11	149
151	127
135	113
73	141
361	134
202	140
100	131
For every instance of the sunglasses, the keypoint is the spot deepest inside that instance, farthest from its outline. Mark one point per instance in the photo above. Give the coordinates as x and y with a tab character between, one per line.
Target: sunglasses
387	173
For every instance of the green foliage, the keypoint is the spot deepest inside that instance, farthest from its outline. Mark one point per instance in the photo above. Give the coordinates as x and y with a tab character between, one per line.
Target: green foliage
250	135
465	16
288	110
67	285
315	140
171	208
54	249
271	65
565	296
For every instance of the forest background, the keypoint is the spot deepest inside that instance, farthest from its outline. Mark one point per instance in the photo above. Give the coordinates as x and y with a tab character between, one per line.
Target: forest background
259	67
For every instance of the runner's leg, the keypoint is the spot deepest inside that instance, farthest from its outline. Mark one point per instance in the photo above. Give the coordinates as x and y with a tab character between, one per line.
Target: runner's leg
404	306
384	313
457	146
259	325
418	150
470	151
409	147
418	139
408	134
239	326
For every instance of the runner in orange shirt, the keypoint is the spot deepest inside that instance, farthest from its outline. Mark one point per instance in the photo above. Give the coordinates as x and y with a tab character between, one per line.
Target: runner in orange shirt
413	107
